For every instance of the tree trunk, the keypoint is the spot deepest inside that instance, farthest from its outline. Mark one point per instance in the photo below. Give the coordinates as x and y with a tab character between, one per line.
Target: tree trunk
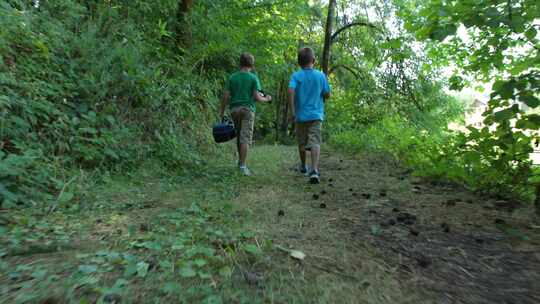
328	36
183	33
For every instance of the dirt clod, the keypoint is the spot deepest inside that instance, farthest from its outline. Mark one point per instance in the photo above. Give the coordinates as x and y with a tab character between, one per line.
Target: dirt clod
406	218
445	227
112	298
500	221
423	261
144	227
252	278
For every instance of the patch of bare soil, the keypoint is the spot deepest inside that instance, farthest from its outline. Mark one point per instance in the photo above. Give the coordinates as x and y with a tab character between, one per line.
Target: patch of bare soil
442	238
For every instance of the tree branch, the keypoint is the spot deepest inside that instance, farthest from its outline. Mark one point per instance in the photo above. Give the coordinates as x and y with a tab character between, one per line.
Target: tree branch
359	23
353	71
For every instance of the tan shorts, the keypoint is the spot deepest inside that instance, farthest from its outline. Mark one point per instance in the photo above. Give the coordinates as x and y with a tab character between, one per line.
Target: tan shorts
308	133
244	119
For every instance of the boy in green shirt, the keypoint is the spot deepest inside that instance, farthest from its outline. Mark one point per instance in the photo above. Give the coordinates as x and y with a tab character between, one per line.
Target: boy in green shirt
241	93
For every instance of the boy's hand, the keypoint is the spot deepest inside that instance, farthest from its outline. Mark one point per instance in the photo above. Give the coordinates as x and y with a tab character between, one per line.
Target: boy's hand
268	98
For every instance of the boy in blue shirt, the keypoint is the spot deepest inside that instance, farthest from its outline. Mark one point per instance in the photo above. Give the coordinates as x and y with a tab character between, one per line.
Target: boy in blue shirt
308	89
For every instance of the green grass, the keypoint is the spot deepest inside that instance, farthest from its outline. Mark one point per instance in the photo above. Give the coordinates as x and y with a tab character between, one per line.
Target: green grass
209	236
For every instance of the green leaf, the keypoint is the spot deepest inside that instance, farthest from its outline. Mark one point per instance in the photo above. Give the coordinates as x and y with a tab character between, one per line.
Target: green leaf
530	100
187	272
225	271
88	269
131	270
171	288
506	90
200	262
142	269
531	33
65	197
252	249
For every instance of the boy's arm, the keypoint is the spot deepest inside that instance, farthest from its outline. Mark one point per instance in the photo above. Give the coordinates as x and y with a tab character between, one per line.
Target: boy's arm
291	104
224	103
257	96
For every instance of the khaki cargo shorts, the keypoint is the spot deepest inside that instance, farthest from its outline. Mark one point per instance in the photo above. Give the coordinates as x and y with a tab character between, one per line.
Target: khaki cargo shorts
308	133
244	119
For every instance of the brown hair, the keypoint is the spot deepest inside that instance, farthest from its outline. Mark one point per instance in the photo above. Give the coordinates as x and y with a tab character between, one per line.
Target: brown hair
306	56
247	60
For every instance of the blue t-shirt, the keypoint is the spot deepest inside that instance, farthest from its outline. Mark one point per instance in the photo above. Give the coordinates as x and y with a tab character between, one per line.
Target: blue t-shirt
309	85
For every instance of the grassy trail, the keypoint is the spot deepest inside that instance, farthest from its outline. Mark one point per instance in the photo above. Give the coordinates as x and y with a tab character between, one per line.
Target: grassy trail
371	233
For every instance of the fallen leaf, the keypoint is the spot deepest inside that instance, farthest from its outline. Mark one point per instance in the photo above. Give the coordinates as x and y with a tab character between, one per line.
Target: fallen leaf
299	255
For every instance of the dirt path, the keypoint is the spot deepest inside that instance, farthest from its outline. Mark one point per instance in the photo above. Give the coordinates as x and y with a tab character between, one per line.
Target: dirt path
371	232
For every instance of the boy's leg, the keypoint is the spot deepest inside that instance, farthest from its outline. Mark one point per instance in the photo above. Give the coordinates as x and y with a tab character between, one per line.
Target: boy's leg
247	119
314	143
301	137
315	157
238	127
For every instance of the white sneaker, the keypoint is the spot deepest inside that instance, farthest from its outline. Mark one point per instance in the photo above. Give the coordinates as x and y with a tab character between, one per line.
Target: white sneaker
245	170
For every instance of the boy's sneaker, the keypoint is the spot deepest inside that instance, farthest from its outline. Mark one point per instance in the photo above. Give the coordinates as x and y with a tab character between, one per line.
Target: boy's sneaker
304	169
314	177
245	171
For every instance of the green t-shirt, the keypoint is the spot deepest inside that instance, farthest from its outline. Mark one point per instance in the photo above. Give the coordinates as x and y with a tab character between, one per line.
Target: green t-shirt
241	86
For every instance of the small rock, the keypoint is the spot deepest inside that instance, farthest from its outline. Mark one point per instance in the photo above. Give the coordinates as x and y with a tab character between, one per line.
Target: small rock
315	196
408	222
445	227
281	213
153	263
252	278
144	227
414	231
500	221
423	261
406	218
112	298
322	205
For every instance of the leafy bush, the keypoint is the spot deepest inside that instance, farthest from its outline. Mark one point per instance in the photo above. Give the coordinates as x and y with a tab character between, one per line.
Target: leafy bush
79	90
